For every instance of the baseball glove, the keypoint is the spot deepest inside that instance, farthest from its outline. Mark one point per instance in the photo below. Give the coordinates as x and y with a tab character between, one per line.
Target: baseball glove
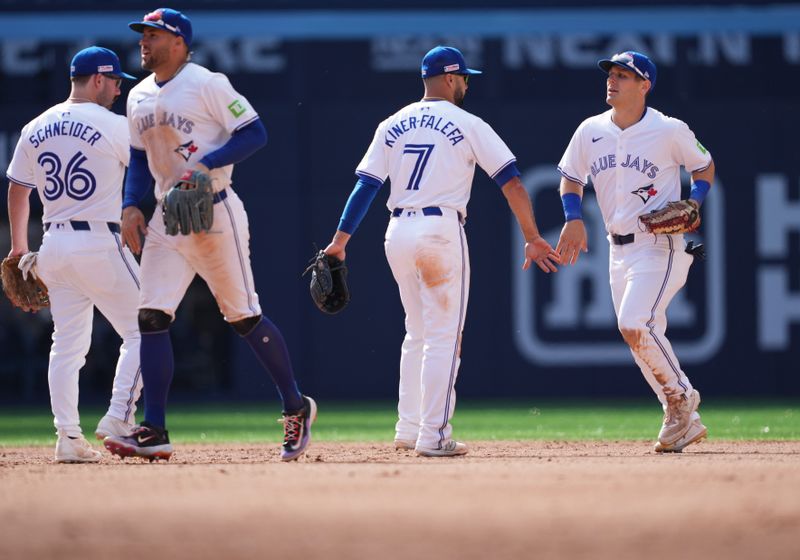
21	284
328	283
681	216
188	207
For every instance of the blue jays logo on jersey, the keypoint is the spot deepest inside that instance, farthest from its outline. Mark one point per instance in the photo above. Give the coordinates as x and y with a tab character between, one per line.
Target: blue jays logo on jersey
186	150
639	163
178	122
645	193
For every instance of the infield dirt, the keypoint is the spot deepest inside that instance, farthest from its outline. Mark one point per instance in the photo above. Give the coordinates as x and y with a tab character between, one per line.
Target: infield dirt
559	500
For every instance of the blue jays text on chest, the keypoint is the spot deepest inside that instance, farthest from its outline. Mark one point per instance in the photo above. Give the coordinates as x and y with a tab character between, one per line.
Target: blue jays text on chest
167	119
65	128
433	122
641	165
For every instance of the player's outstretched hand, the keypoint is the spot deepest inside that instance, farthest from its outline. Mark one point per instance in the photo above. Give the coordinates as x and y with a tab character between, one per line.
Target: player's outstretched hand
134	228
540	252
572	241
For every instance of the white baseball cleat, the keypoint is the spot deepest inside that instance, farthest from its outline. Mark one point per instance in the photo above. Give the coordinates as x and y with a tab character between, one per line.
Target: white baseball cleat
404	445
75	450
697	433
678	417
110	426
451	449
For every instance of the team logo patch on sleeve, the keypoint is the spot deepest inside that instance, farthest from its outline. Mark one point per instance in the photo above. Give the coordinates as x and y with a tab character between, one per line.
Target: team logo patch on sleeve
236	109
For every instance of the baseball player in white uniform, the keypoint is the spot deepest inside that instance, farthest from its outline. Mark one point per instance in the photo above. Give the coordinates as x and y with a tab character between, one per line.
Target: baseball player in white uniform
184	117
633	154
74	155
429	150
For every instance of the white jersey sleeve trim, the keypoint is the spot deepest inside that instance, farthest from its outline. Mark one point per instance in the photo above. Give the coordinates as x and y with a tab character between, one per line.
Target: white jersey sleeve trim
21	183
244	124
702	168
502	167
361	172
573	179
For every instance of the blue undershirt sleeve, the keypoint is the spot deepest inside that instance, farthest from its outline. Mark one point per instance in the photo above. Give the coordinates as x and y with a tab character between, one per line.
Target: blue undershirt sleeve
241	145
506	174
138	180
359	202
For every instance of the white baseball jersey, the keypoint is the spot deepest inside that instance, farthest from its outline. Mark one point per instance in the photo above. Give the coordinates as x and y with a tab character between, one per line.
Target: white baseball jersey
635	170
429	149
191	115
74	155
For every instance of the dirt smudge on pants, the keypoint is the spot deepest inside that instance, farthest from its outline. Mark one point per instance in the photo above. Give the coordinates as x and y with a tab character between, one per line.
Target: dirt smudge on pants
434	274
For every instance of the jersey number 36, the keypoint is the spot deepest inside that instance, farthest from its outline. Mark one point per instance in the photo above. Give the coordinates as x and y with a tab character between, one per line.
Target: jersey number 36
77	182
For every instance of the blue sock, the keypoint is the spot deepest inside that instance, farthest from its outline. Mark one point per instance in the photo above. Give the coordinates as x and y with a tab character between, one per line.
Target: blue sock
267	342
158	367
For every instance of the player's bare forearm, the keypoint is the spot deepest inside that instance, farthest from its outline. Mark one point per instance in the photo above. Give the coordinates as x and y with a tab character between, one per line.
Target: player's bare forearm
706	175
573	235
19	209
567	186
336	247
537	249
134	228
520	204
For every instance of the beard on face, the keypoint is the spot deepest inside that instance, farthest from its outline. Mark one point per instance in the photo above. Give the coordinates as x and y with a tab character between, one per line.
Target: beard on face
152	61
458	97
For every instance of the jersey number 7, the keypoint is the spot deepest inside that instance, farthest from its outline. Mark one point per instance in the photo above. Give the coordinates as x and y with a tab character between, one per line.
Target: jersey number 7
423	153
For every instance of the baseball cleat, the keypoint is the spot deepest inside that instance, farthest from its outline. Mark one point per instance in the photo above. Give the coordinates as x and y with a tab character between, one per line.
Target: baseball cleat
146	441
297	430
697	433
110	426
404	445
75	450
451	449
678	417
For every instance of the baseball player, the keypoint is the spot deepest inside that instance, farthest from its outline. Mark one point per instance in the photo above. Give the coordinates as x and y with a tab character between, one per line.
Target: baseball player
74	155
429	150
633	154
184	117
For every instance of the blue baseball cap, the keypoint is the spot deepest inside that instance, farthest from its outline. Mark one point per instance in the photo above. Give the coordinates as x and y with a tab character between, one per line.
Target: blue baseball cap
168	20
97	60
638	63
445	60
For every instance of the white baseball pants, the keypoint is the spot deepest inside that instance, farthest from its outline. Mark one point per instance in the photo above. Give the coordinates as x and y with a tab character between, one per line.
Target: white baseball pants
645	276
429	258
82	270
221	257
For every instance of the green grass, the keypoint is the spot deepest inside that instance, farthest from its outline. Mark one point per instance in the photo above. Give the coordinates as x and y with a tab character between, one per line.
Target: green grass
497	420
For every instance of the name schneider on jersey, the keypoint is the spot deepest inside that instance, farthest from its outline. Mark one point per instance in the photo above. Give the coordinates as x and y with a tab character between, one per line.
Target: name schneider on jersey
75	129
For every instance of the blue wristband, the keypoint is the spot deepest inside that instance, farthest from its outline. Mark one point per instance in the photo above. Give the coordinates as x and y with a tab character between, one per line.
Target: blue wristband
699	190
572	206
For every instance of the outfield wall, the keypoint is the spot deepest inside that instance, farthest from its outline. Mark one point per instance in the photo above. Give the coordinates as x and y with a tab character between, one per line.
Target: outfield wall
323	80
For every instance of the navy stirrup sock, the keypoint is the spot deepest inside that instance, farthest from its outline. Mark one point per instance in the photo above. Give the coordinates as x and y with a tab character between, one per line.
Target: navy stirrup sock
270	348
158	367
